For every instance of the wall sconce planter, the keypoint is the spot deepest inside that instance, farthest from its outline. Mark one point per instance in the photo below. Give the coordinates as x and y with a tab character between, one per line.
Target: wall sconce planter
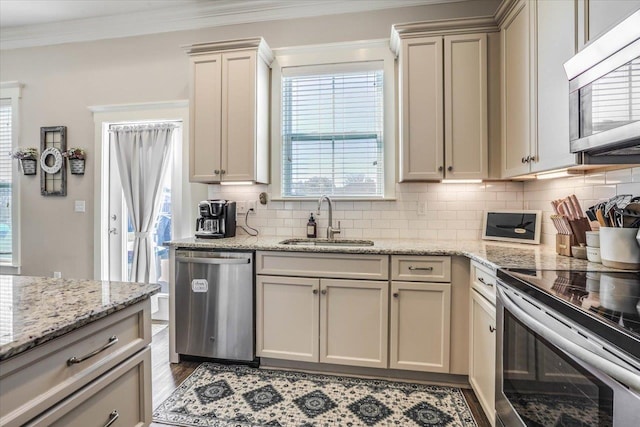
76	166
29	166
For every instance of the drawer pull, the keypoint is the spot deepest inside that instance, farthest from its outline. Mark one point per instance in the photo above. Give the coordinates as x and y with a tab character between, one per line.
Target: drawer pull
396	295
481	280
492	329
315	292
113	416
412	268
75	360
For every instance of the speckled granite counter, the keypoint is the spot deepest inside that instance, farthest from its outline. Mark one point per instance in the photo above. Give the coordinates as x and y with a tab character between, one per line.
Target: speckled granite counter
492	254
38	309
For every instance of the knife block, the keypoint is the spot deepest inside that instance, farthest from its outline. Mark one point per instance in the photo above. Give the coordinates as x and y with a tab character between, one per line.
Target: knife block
564	243
580	228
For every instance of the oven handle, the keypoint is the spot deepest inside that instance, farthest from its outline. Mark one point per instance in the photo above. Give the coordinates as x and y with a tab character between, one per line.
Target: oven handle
612	369
194	260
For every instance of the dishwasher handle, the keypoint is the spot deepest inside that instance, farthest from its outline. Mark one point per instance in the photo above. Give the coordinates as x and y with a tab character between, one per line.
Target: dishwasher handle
226	261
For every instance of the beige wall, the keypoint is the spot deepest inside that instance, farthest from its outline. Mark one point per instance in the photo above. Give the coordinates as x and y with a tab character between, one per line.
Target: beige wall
61	81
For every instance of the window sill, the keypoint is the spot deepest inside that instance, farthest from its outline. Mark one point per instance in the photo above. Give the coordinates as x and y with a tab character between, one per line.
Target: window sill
9	269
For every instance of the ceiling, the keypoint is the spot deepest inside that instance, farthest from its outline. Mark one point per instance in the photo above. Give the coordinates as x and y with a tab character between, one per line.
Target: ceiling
25	23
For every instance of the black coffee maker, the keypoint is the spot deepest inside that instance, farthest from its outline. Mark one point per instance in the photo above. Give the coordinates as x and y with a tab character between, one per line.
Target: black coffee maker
217	219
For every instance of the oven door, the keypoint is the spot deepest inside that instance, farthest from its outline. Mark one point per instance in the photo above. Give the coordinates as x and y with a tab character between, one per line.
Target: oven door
546	374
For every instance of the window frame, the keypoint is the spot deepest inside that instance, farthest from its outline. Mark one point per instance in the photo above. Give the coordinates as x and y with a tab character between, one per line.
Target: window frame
13	90
326	56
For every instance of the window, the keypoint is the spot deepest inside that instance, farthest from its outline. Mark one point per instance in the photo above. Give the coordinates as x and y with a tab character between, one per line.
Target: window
332	133
333	122
9	218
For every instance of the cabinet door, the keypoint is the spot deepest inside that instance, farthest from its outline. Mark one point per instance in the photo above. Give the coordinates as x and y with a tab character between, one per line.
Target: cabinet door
604	14
556	44
517	92
465	106
287	313
238	116
353	322
482	357
206	103
421	133
420	326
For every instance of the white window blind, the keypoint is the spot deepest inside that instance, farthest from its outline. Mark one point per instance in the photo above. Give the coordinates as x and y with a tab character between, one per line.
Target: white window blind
332	131
6	146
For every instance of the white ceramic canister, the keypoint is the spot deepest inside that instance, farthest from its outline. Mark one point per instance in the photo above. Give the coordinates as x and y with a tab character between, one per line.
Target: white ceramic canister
593	239
593	254
619	248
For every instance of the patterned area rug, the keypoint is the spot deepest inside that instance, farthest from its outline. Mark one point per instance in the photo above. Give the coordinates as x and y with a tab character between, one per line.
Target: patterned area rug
240	396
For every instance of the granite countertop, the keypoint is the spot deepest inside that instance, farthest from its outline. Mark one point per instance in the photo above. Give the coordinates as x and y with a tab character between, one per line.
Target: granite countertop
38	309
491	254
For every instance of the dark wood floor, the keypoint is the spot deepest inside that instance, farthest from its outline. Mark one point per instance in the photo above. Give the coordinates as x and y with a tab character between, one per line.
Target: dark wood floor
167	377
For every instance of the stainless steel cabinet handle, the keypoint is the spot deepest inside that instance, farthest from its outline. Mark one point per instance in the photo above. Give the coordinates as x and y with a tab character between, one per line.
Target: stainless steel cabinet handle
440	169
532	158
396	295
523	160
324	292
315	292
481	280
492	329
222	172
217	172
113	416
213	260
450	168
412	268
111	342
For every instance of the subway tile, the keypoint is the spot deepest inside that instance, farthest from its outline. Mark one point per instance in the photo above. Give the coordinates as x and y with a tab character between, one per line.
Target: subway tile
621	176
629	188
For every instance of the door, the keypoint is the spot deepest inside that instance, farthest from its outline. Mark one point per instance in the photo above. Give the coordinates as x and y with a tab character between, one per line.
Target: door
482	354
421	135
238	116
353	322
465	106
420	326
206	113
287	313
119	234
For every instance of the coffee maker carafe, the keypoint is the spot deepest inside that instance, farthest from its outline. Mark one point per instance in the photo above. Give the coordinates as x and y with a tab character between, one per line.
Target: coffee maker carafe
217	219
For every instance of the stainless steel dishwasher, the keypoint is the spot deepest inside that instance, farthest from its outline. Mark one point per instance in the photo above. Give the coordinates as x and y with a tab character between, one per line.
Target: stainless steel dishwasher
215	304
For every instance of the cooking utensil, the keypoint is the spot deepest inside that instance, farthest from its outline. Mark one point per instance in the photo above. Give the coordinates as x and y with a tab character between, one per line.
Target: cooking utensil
576	206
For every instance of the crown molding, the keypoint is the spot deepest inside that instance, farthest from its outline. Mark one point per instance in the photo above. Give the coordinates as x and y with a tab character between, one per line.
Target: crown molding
145	106
254	43
188	17
482	24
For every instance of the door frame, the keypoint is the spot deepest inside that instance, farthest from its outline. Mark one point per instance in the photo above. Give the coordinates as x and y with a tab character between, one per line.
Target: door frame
185	200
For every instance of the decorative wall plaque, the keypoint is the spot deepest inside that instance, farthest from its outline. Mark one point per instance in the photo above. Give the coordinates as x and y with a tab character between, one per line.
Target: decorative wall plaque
53	179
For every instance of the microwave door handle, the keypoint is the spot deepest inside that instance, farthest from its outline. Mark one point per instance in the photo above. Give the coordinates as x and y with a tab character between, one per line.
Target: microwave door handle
226	261
612	369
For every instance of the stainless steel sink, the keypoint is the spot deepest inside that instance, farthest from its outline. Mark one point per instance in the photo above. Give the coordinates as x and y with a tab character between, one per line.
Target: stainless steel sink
327	242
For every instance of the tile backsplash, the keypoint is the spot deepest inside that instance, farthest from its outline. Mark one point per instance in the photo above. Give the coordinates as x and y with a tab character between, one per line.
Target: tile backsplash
430	210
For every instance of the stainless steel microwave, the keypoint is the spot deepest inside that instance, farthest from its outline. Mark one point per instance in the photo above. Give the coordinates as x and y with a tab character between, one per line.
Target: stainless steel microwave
604	95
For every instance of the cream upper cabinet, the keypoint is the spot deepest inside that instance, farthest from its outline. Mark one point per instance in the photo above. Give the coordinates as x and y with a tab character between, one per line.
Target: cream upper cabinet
354	322
517	33
443	114
556	44
604	14
420	326
229	111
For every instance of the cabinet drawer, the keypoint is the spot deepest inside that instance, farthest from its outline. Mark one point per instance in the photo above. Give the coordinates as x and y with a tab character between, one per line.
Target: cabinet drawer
421	268
124	393
343	266
39	378
483	280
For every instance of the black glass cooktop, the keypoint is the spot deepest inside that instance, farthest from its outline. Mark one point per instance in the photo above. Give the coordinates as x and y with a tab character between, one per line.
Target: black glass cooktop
607	303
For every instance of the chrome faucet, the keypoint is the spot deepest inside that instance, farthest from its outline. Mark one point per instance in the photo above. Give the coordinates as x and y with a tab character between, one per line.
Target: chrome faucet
331	232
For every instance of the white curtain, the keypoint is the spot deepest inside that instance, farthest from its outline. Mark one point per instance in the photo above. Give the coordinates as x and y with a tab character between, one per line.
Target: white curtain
142	155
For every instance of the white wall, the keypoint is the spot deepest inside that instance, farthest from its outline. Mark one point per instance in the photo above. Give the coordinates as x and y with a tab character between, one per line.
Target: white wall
61	81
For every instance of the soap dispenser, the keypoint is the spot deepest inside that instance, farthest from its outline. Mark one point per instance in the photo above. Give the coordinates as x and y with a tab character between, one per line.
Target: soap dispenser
311	227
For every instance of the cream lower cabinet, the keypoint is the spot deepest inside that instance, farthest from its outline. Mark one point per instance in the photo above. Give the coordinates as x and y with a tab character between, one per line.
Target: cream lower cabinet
482	337
323	308
322	320
420	325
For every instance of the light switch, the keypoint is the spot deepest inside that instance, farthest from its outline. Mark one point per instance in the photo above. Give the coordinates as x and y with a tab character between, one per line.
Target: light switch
79	206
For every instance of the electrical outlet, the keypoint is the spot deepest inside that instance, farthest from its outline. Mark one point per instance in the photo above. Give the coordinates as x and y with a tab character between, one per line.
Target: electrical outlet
252	204
241	207
422	208
79	206
57	274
